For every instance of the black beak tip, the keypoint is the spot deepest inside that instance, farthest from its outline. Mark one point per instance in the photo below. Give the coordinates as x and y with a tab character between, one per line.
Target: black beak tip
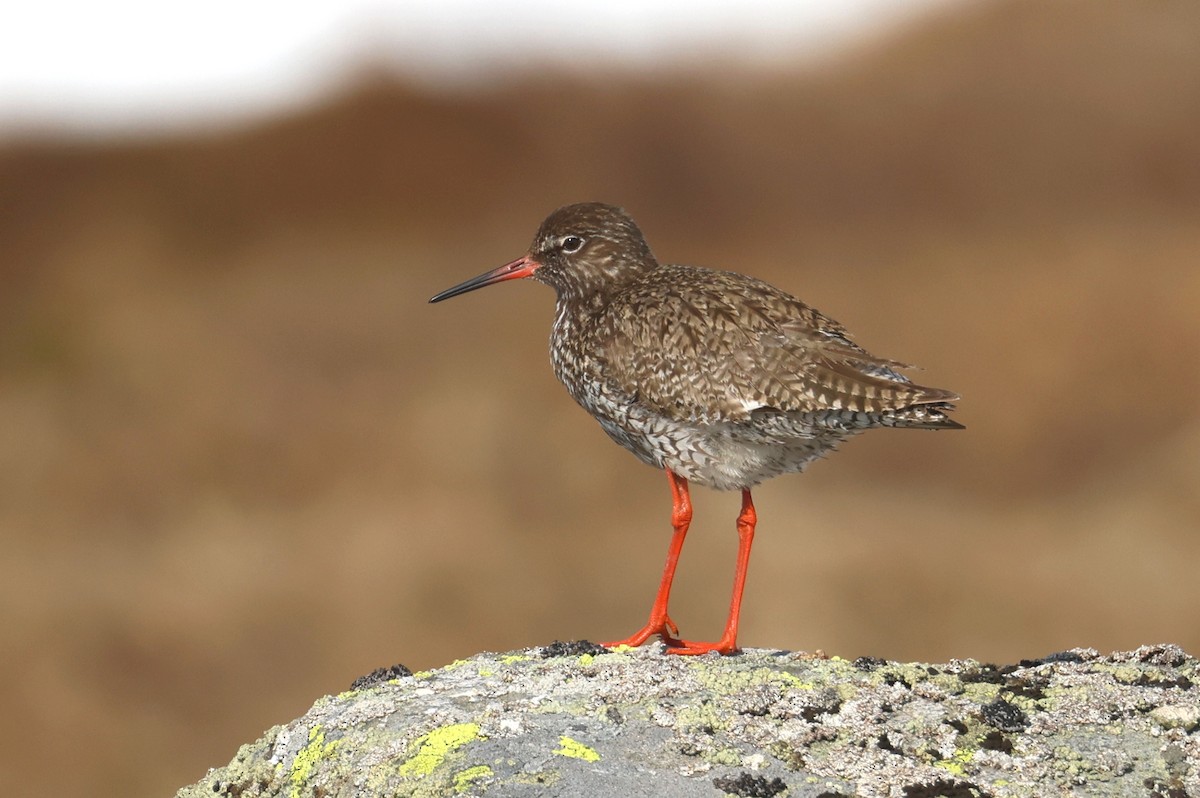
449	292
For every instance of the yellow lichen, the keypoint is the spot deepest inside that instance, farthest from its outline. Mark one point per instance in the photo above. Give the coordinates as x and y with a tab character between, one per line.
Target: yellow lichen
962	756
793	681
433	748
576	750
463	779
307	758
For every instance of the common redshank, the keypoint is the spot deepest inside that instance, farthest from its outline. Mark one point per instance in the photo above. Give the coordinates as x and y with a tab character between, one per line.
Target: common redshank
717	378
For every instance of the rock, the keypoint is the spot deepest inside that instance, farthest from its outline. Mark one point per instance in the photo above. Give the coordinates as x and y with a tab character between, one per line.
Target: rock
566	720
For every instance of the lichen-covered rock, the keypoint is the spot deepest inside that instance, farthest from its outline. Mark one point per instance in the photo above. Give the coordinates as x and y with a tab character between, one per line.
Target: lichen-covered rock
558	722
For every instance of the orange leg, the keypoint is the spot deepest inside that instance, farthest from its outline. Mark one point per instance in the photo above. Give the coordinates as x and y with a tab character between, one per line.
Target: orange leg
660	623
746	522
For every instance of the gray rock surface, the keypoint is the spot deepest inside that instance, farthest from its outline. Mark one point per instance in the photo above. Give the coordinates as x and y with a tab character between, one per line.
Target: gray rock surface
561	721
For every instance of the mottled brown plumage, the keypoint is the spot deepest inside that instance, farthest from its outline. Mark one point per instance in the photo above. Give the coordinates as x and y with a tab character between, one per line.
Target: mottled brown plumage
719	378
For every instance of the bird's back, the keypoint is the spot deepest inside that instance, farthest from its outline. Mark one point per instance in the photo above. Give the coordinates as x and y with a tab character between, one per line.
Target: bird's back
685	364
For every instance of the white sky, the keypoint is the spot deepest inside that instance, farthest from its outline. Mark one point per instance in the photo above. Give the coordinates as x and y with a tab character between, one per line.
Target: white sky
133	63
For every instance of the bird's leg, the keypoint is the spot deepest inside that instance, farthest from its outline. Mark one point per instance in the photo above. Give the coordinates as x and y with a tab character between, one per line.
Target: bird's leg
746	522
660	622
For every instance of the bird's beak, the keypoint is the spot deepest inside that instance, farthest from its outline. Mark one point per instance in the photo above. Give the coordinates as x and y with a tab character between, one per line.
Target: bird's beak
523	266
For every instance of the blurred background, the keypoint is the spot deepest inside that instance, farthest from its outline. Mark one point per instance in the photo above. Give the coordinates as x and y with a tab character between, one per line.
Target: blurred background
244	462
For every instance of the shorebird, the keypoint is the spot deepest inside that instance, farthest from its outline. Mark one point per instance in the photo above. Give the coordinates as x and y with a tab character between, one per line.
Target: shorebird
717	378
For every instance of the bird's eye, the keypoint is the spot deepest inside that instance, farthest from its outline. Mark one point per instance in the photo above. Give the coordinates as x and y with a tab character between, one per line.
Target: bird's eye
572	244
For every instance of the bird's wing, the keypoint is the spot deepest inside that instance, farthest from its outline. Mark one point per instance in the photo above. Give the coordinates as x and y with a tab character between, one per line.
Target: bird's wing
722	346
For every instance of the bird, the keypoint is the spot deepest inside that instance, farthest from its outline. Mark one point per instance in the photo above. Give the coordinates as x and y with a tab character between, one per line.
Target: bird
718	379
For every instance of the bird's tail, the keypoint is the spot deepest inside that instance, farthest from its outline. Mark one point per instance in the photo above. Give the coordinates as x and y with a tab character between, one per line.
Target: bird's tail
931	415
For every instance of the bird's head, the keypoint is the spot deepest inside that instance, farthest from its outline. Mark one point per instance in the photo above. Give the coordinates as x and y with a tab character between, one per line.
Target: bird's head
579	250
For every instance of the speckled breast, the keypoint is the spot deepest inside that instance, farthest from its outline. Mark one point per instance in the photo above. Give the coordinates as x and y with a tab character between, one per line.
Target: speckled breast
722	455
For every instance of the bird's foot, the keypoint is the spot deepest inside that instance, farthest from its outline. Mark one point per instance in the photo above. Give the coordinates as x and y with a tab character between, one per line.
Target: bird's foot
691	648
664	628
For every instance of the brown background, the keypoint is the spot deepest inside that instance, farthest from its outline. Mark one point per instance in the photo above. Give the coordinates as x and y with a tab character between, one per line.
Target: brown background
244	462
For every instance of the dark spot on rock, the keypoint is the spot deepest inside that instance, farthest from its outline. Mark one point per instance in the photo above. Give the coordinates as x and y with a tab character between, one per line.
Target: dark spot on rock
811	714
995	741
689	749
982	674
614	715
380	675
869	663
1162	789
897	678
828	794
1034	688
1005	716
791	758
1168	655
748	786
1058	656
932	671
235	788
884	744
943	788
957	725
573	648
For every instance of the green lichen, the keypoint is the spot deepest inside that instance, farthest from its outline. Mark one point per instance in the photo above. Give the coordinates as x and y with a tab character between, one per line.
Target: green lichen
1125	674
538	778
464	780
725	682
701	715
576	750
911	673
509	659
981	692
586	659
308	757
433	748
726	756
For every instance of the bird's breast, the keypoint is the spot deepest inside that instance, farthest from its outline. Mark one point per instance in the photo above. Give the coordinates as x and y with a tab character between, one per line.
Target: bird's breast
718	454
